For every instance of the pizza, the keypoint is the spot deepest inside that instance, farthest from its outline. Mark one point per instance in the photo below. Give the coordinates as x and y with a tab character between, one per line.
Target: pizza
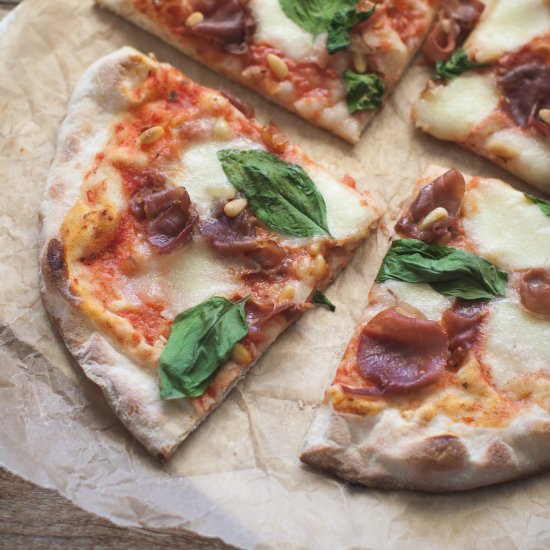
180	238
445	383
491	93
331	62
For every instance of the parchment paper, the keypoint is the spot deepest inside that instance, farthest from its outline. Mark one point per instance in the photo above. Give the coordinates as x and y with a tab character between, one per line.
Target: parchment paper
238	477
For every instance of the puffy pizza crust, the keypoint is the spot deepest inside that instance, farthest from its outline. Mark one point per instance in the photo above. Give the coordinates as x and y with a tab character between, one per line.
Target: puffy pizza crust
130	389
335	119
418	447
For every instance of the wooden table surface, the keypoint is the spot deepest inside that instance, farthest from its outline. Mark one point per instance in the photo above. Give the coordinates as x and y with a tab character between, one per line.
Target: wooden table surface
35	518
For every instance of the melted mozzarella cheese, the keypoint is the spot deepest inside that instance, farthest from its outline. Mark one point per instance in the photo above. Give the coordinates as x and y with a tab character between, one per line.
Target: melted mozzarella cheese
420	296
275	29
183	279
506	26
505	227
526	155
201	173
451	111
516	343
348	215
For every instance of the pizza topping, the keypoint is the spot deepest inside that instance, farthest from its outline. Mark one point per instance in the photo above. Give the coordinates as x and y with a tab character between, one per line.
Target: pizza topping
151	135
321	299
201	341
455	17
399	354
526	89
277	65
462	323
281	194
544	206
226	23
457	64
435	209
233	208
169	216
534	291
449	271
340	27
246	109
364	91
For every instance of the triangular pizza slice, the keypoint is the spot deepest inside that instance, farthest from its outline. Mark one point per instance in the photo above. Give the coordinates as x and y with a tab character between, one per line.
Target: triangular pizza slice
332	63
180	238
445	384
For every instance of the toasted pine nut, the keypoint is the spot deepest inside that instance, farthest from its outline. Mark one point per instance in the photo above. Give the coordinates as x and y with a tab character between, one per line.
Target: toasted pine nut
319	265
221	130
287	293
151	135
315	247
446	25
303	268
241	355
194	19
233	208
436	215
544	115
360	62
277	66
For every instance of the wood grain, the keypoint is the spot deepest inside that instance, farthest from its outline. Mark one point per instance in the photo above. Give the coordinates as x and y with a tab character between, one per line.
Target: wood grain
40	519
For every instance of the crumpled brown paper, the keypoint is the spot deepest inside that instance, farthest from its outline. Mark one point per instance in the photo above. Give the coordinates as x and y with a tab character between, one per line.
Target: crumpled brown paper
238	477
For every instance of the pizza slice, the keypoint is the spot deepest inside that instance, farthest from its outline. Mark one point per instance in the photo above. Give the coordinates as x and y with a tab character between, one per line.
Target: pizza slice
445	384
492	93
332	63
179	239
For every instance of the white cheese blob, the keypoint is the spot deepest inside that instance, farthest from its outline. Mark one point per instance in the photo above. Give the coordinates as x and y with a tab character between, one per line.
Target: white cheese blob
451	111
516	342
526	155
348	214
506	26
505	227
420	296
275	29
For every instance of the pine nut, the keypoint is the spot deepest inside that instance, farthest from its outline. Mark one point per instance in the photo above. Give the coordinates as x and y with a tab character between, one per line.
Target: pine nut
277	66
436	215
315	247
303	268
241	355
233	208
151	135
287	293
194	19
446	25
319	266
221	130
360	62
544	115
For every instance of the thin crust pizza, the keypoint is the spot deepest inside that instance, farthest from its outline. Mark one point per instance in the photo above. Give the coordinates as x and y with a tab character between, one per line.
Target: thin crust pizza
332	63
179	239
491	93
445	384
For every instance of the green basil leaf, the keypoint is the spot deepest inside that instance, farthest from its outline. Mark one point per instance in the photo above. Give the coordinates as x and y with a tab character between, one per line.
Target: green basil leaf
457	64
364	91
281	194
449	271
542	204
201	341
321	299
340	26
314	15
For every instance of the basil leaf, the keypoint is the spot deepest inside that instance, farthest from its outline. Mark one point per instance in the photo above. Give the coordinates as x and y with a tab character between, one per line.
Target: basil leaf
281	194
542	204
449	271
314	15
321	299
364	91
201	341
340	26
457	64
